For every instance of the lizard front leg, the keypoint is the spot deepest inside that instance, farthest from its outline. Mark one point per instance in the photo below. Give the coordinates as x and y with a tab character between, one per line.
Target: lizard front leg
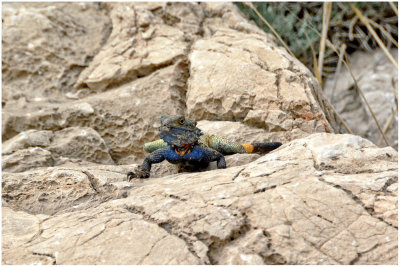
144	172
213	155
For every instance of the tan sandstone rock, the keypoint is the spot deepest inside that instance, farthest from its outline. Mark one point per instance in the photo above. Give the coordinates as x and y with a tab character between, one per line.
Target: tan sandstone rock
32	148
120	116
45	46
244	77
26	159
81	142
30	138
49	190
141	242
304	203
145	37
110	70
144	66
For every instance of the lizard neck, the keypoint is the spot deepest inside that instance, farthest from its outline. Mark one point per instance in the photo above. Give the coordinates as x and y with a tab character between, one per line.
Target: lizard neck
184	149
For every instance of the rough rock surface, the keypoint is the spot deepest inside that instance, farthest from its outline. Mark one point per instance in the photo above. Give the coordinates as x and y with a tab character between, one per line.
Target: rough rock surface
324	199
83	89
248	134
33	148
26	159
121	117
270	92
144	38
30	138
48	190
80	142
204	60
377	77
46	45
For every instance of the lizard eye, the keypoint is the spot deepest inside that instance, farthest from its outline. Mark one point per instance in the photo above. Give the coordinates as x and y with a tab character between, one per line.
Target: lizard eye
182	121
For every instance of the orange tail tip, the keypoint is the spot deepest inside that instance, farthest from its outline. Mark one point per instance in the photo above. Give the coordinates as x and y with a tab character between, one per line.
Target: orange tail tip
249	148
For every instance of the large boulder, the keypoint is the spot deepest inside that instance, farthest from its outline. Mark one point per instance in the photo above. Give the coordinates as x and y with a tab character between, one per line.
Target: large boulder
238	73
203	60
145	37
324	199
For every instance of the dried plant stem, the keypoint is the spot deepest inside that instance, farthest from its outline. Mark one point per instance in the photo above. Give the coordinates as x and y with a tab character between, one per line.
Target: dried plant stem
351	27
325	26
374	34
388	35
250	5
345	61
315	63
394	8
338	69
387	127
346	126
365	100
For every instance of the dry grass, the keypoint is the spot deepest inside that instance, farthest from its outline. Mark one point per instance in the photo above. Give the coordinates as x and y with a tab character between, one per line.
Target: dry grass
394	8
338	70
315	62
374	34
325	27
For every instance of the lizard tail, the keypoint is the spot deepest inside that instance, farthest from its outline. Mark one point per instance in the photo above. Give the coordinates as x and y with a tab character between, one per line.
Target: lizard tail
261	148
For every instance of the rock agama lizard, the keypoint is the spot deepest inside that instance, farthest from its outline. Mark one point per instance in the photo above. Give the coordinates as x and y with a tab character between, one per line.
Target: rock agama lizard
183	143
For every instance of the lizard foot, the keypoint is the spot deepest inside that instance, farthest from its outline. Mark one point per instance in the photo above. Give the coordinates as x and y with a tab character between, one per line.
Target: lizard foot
139	174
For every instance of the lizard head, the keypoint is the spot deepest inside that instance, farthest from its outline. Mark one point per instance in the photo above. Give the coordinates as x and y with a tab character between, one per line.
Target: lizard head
178	130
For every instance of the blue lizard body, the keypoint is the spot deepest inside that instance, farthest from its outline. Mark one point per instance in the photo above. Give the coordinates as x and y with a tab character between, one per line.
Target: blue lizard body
197	154
183	143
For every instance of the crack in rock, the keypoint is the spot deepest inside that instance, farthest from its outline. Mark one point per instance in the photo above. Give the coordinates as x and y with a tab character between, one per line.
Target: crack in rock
389	183
151	249
46	255
237	174
167	226
370	211
359	254
93	182
261	190
215	244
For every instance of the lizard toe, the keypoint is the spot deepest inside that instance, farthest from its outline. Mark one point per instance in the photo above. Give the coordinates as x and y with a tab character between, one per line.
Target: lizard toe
130	176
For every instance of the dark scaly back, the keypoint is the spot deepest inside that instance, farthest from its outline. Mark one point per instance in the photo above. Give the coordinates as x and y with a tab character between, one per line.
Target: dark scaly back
178	130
